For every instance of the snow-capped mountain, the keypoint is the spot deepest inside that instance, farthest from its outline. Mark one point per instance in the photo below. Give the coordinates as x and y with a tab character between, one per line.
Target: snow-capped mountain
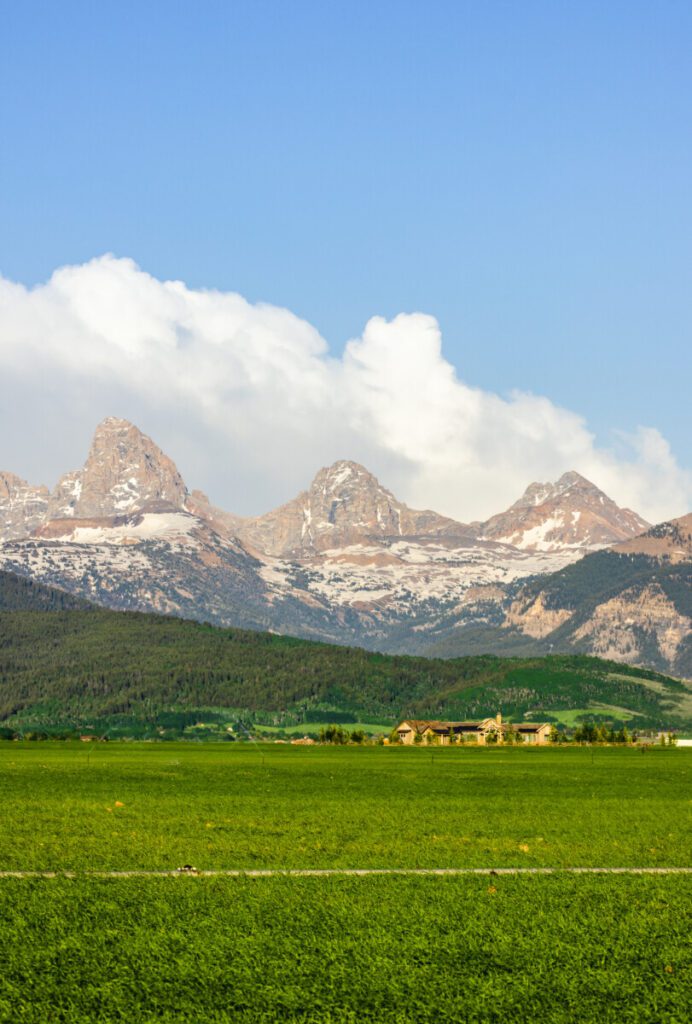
345	560
345	505
572	513
124	472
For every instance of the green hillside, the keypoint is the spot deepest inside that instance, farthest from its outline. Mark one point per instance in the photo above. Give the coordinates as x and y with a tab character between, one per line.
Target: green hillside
65	667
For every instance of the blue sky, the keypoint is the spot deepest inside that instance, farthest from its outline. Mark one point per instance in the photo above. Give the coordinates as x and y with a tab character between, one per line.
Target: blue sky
521	172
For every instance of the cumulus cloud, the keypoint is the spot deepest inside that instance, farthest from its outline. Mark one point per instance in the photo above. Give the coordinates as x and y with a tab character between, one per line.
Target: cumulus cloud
250	403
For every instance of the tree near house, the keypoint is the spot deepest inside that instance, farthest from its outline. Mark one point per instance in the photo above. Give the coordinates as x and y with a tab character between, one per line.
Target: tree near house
511	736
586	733
333	734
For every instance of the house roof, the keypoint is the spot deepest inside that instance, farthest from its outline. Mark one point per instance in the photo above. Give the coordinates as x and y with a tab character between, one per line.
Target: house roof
420	725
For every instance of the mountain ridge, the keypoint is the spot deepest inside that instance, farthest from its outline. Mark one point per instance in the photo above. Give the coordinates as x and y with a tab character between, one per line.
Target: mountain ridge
344	561
125	471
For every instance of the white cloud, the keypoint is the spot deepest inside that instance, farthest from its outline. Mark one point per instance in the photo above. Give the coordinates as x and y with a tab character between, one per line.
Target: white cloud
250	403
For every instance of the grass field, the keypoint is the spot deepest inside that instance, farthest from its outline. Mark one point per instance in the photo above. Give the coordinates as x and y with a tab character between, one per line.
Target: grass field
157	806
370	728
557	948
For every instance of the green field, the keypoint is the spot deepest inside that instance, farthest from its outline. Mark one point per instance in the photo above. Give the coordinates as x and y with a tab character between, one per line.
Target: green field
368	949
267	806
559	948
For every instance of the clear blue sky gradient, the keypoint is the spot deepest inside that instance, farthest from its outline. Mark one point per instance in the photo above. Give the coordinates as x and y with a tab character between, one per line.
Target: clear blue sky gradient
522	171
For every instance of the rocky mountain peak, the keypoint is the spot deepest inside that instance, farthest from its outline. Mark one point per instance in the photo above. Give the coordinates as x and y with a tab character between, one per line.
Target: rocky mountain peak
345	505
22	506
345	497
125	471
343	476
539	493
345	489
570	513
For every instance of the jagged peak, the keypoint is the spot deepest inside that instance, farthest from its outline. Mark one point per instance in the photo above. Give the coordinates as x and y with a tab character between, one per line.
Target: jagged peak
539	492
115	423
12	480
341	473
10	484
113	429
571	512
125	470
573	479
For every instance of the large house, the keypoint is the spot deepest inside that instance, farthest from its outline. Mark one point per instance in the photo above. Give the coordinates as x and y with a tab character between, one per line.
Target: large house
489	730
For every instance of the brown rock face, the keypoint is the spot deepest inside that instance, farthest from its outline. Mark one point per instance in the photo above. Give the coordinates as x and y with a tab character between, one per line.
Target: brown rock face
570	513
534	619
344	505
22	507
124	472
609	630
672	541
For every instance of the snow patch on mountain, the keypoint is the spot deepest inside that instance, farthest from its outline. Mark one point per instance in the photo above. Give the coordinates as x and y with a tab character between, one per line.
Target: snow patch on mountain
170	526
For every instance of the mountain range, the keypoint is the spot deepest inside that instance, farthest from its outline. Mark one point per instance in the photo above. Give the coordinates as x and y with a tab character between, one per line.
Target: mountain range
563	569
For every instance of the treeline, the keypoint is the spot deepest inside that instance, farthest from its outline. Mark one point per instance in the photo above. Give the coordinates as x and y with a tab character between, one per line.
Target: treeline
70	665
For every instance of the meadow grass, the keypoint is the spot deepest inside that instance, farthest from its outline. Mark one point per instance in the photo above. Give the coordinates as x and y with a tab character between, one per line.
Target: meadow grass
158	806
196	950
555	949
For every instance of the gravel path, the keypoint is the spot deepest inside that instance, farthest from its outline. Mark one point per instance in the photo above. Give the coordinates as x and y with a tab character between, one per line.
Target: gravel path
342	872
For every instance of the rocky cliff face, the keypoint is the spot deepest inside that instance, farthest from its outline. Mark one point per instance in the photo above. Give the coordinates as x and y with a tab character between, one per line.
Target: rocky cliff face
569	513
631	602
608	631
22	507
124	472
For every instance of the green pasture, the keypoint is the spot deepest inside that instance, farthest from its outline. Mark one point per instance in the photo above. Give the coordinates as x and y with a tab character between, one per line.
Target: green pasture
572	717
105	806
194	950
307	728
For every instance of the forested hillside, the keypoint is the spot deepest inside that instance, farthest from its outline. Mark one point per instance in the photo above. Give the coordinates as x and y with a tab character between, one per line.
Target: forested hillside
69	666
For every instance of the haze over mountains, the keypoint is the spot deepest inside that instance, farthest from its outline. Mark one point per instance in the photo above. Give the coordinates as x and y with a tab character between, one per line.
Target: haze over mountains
343	561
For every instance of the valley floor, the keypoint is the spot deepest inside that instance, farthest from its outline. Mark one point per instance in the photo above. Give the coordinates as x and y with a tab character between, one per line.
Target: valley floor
553	947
